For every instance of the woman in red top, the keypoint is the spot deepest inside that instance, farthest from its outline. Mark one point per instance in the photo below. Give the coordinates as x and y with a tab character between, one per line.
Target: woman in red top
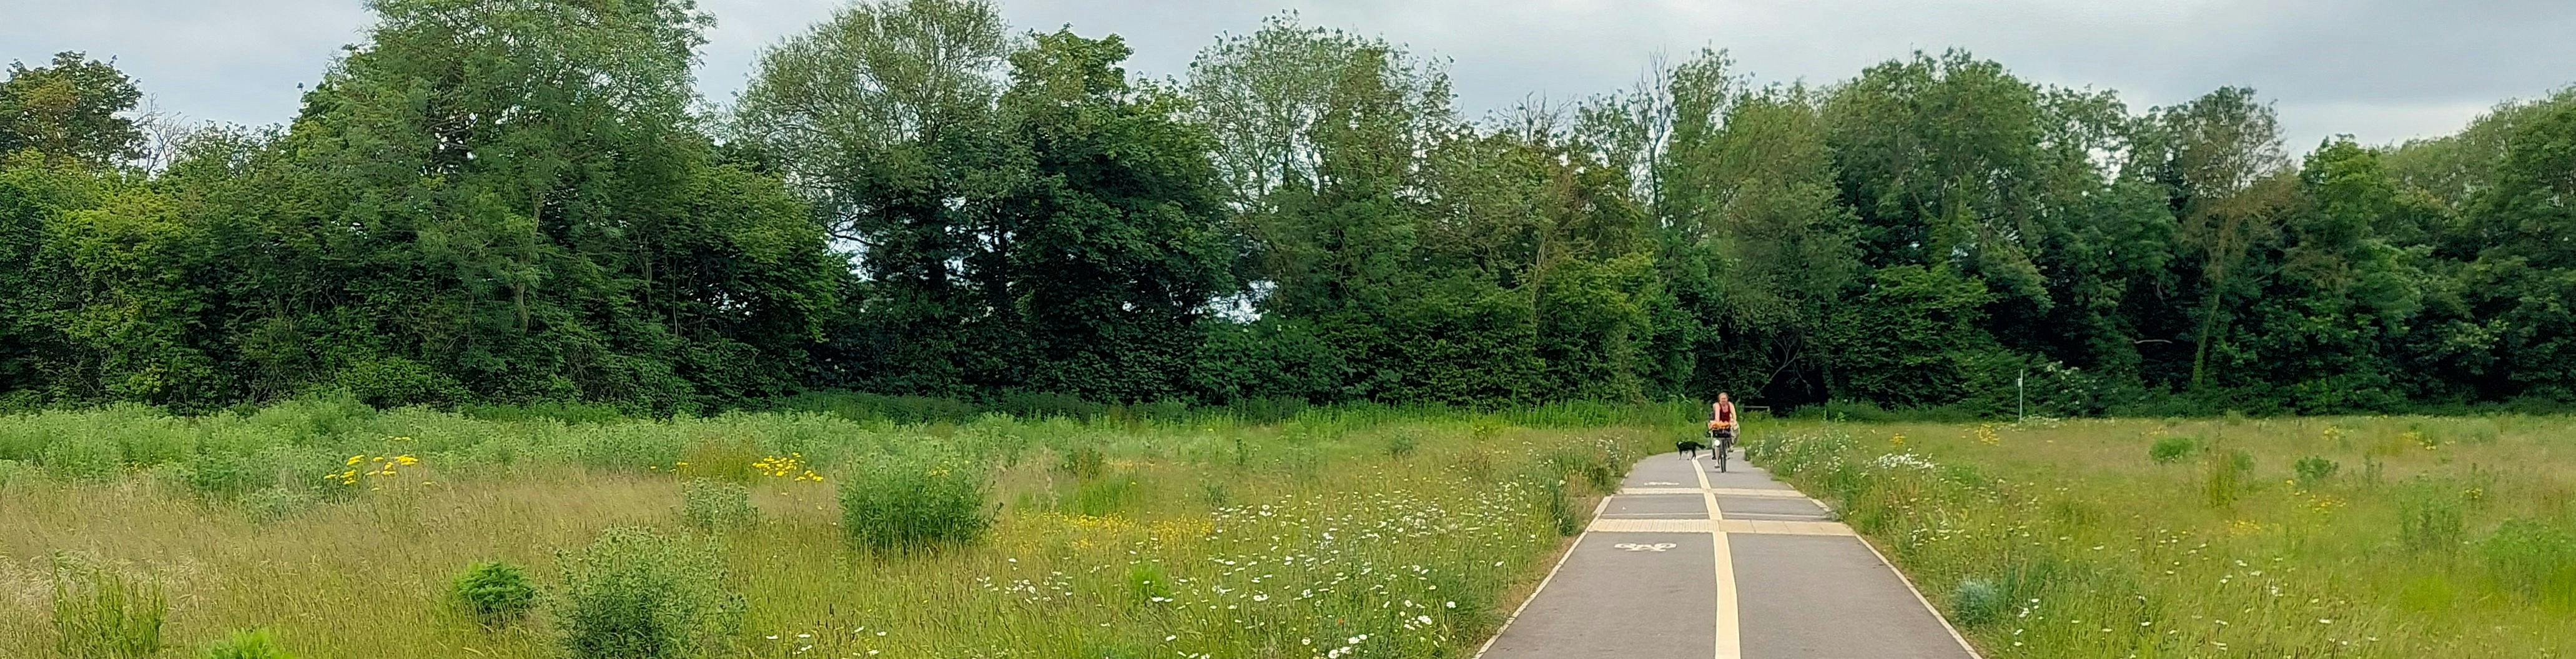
1721	428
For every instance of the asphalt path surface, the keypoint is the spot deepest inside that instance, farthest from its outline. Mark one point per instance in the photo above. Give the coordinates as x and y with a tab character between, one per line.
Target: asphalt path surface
1690	562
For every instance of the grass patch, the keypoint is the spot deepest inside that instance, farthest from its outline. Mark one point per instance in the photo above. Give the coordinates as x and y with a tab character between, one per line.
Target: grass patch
934	539
2053	540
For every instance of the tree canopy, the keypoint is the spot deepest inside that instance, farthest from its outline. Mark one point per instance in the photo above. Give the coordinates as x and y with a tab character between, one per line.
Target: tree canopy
525	200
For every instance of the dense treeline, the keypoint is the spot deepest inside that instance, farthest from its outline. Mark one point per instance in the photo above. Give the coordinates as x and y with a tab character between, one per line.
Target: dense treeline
523	200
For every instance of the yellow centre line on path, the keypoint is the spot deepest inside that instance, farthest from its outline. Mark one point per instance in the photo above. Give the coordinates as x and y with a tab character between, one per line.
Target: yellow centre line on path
1730	640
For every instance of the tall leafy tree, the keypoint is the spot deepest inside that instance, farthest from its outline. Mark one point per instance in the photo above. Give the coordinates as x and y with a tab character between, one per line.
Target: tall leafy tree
75	108
886	116
1111	242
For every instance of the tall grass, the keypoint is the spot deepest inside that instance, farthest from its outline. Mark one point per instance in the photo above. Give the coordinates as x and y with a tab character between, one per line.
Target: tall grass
1209	535
100	613
2070	539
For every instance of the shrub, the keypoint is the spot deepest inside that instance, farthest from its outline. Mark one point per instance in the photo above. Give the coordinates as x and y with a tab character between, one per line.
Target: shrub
1978	602
638	594
717	505
99	614
2315	469
247	644
494	593
898	504
2171	449
2534	560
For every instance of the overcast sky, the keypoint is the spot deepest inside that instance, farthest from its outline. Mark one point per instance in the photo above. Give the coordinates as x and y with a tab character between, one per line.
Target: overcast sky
2382	70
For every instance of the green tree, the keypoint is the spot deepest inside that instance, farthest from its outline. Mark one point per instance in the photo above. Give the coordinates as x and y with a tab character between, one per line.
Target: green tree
886	117
70	109
1111	242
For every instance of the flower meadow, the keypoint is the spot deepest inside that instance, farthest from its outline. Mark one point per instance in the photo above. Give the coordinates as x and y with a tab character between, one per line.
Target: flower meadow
333	530
2313	537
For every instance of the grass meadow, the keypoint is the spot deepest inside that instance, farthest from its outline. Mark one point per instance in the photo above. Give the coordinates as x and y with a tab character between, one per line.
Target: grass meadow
326	529
2313	537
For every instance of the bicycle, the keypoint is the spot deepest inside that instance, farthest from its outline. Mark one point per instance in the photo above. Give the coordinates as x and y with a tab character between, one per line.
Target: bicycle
1721	442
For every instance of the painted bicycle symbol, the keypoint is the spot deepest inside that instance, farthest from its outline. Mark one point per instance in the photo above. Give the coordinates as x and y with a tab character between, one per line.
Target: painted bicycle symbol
1630	546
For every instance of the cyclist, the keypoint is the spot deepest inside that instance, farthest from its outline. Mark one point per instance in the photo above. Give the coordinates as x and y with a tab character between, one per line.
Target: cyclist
1721	428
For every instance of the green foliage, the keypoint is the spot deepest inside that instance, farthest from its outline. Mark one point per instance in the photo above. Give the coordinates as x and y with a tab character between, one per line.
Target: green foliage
1083	461
1401	445
247	644
276	503
1560	506
2533	559
2224	475
717	505
908	504
1106	496
2431	516
2314	470
720	458
2168	450
75	108
1305	218
1148	585
638	594
496	594
1978	602
102	614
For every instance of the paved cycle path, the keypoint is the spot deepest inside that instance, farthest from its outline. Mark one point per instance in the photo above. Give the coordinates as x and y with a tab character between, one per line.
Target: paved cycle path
1689	562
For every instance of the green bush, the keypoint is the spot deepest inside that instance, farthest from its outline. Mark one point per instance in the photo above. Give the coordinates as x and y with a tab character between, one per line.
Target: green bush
2533	559
638	594
896	504
494	593
99	614
2315	469
717	505
247	644
2171	449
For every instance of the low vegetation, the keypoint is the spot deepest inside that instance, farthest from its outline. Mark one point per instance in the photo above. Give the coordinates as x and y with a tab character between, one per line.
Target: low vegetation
2095	538
339	530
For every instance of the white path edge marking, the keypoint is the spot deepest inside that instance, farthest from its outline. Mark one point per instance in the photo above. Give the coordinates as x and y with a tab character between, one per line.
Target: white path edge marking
1909	586
1730	639
1542	582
